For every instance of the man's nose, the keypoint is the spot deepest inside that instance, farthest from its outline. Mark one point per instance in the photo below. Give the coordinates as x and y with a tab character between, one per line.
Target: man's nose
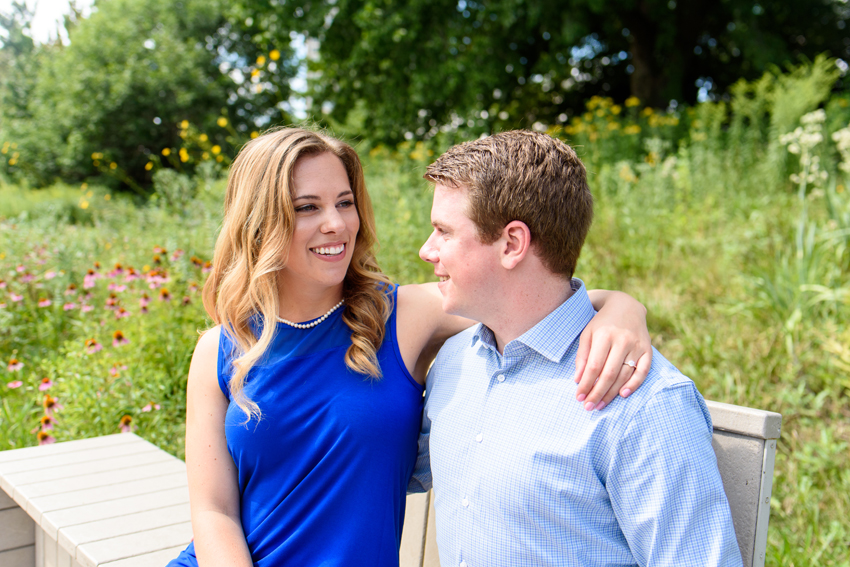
428	252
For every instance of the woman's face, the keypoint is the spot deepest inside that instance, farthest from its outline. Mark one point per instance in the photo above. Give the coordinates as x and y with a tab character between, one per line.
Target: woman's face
326	223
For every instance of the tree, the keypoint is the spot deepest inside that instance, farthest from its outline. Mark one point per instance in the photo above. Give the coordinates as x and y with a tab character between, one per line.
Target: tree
412	67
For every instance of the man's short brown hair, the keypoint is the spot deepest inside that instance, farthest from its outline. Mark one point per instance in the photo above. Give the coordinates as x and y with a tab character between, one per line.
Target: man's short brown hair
525	176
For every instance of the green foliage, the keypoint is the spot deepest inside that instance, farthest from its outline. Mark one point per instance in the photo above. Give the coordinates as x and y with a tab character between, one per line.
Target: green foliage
175	189
421	67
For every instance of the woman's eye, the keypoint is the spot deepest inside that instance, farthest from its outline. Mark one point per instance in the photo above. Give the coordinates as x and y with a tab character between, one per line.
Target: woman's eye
305	209
345	204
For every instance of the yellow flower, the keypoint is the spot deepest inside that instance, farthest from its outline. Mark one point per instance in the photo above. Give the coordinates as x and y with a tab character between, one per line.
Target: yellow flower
13	161
255	73
149	166
647	111
90	194
184	155
626	174
633	129
14	146
616	109
274	55
219	158
699	136
107	197
587	116
203	137
113	165
184	124
632	101
254	134
84	186
84	204
146	268
222	121
600	113
216	149
95	163
205	155
166	151
613	125
261	60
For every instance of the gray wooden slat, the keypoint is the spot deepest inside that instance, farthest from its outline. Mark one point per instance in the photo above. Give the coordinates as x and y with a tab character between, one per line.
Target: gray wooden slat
66	446
155	559
431	557
39	546
73	536
413	532
745	421
16	529
6	501
106	478
36	507
83	455
21	479
50	550
131	545
53	521
21	557
63	558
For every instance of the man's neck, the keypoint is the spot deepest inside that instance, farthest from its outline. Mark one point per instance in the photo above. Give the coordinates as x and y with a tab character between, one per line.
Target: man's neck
525	303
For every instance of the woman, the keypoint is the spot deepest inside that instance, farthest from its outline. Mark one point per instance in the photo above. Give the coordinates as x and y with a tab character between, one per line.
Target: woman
304	401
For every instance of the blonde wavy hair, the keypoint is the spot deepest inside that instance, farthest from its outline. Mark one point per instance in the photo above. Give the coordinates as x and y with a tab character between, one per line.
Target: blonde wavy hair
253	246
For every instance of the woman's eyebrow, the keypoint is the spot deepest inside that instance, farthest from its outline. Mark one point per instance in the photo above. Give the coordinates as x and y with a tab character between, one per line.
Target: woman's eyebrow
316	197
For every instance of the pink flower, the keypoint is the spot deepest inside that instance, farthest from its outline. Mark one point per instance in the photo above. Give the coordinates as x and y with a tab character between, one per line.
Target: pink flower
114	370
27	278
207	267
51	405
46	423
45	438
121	313
15	365
176	255
44	302
150	406
20	269
92	346
2	305
144	300
50	275
69	306
119	339
2	284
15	384
116	287
126	424
46	384
86	308
71	289
15	297
117	271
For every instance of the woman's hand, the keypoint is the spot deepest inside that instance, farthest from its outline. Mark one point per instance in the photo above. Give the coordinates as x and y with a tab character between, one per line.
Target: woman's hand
614	353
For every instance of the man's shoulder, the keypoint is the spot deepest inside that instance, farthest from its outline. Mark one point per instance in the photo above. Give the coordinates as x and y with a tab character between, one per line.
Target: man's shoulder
667	391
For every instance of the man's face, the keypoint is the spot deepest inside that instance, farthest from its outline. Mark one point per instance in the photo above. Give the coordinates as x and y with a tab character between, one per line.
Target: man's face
464	265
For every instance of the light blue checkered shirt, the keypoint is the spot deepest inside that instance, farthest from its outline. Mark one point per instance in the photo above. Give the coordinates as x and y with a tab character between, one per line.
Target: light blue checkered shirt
523	475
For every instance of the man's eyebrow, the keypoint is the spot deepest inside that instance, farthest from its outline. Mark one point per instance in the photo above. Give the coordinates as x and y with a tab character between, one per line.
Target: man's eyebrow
317	198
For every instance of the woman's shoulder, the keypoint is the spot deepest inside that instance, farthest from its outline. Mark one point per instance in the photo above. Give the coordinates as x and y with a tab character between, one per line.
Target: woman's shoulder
208	342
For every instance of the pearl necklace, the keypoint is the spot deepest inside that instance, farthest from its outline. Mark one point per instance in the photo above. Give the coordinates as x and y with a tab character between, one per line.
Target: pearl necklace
314	323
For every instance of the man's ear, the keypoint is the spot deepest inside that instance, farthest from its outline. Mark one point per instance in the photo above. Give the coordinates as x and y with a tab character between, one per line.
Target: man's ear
515	244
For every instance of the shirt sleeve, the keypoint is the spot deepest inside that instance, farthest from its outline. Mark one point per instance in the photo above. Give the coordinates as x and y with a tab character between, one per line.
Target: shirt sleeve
421	480
665	487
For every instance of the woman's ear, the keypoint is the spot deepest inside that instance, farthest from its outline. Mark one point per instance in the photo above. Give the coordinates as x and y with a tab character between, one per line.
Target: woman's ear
515	244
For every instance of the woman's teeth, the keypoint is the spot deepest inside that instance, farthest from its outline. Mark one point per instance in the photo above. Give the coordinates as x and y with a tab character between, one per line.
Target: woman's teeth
444	278
330	250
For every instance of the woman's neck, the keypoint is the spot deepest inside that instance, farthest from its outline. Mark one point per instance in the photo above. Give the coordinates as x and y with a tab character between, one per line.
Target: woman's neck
307	304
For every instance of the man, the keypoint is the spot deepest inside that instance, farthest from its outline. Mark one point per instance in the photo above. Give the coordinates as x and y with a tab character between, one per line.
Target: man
521	475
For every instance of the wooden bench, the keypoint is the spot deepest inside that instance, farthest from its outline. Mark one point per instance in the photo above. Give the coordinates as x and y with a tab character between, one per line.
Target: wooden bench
119	501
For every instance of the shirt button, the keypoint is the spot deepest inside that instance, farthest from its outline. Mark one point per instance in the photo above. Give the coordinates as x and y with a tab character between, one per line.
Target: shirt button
500	377
479	437
465	502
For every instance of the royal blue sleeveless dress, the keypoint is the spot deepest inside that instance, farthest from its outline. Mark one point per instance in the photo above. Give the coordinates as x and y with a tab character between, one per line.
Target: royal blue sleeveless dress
323	474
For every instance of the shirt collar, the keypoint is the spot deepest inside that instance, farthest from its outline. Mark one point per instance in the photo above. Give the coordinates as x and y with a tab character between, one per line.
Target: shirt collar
554	335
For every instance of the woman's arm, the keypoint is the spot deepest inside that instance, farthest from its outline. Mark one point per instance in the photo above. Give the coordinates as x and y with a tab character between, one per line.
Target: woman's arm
213	486
617	334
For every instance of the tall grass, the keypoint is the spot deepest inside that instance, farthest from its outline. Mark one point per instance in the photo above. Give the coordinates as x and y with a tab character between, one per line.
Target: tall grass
743	268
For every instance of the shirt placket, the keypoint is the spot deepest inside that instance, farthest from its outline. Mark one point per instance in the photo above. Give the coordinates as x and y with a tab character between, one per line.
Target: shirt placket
498	369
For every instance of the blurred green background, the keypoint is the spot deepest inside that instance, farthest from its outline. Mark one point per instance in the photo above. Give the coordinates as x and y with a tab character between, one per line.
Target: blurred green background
716	136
